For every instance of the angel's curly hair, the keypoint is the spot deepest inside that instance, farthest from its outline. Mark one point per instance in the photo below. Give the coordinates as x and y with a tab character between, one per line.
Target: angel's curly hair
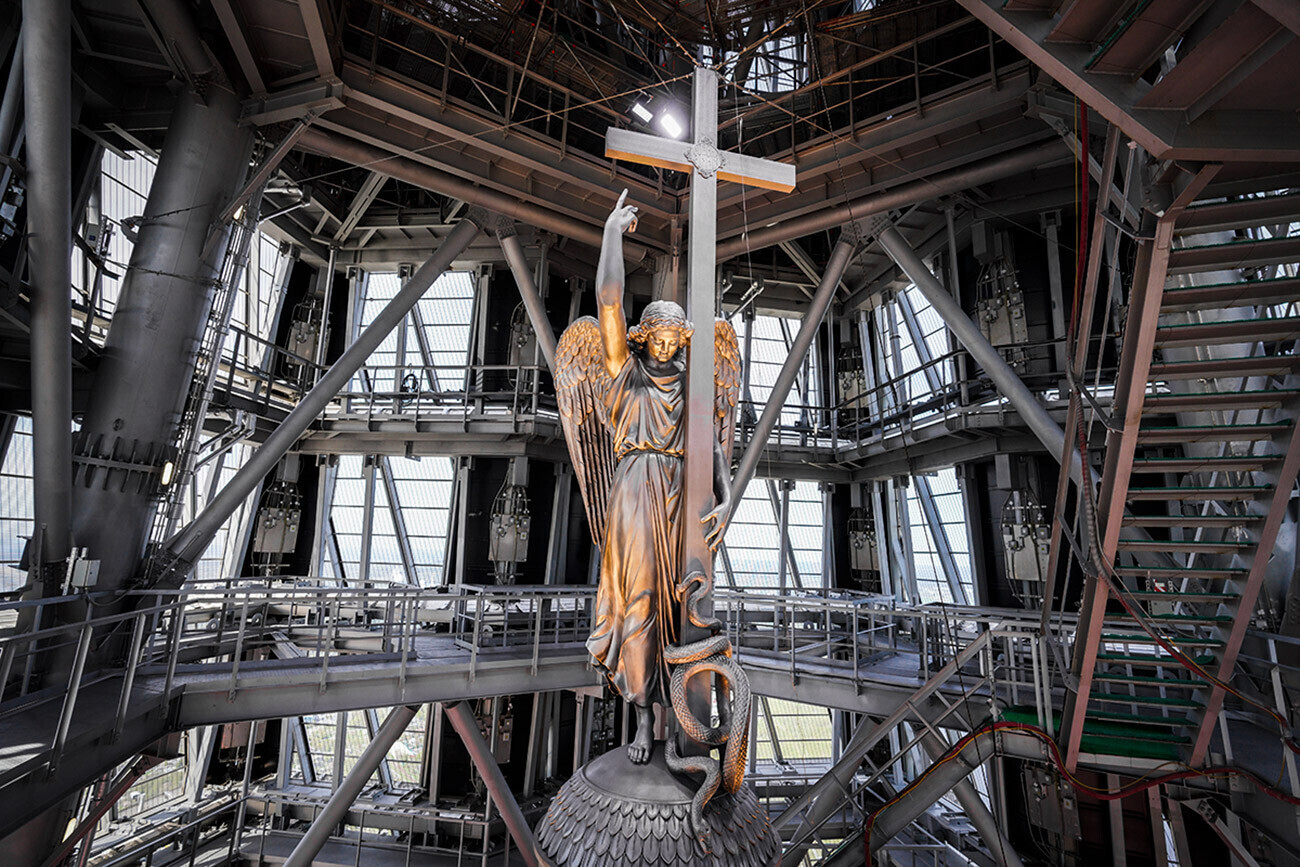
660	314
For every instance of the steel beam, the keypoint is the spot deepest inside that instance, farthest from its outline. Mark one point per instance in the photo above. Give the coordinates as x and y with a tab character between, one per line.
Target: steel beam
1006	379
973	805
47	79
336	808
352	151
102	804
187	546
361	203
904	195
541	323
466	725
812	322
921	794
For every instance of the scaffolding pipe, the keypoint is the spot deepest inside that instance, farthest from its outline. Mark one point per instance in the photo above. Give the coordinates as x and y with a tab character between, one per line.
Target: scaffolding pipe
466	725
322	828
902	196
186	546
47	41
528	289
812	323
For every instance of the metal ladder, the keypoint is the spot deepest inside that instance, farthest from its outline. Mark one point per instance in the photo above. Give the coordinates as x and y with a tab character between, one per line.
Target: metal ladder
1202	456
207	364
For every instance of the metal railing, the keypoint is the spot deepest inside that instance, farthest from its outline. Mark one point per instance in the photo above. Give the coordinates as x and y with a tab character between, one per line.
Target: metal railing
224	626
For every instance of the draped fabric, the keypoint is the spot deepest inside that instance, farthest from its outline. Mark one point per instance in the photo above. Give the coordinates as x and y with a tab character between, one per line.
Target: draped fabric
635	600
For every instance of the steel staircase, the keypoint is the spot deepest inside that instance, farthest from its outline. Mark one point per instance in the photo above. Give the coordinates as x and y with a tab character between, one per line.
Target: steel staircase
1203	460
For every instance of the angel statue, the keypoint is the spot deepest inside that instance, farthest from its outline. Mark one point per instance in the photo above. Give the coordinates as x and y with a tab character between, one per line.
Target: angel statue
622	402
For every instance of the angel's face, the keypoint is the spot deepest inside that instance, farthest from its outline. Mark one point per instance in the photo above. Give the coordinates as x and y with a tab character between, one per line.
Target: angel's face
663	344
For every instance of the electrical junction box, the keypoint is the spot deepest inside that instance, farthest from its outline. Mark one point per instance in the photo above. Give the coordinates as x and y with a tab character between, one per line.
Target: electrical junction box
82	573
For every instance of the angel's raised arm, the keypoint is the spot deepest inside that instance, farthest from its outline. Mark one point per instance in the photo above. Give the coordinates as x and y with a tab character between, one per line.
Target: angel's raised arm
609	285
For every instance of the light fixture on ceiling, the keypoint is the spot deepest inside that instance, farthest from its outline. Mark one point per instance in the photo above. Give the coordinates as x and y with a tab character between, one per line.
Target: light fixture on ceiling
168	473
669	123
641	112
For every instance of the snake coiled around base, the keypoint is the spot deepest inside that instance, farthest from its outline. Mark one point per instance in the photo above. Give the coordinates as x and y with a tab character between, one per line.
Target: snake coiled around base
708	655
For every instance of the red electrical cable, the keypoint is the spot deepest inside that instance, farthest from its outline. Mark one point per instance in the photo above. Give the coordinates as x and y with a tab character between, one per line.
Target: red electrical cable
1139	785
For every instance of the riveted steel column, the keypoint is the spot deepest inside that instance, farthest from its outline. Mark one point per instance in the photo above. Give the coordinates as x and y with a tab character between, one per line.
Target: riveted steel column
148	361
47	80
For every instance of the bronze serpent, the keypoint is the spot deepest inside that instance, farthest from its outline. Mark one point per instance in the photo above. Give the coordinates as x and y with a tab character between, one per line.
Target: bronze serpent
711	655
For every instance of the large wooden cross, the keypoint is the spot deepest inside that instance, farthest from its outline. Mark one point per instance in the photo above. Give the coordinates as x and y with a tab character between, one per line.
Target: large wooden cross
706	164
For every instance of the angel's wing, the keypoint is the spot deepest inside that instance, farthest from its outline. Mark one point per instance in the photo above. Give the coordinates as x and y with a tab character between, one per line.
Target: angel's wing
581	383
726	384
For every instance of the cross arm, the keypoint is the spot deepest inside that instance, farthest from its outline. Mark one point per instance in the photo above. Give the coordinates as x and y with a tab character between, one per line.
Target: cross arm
664	153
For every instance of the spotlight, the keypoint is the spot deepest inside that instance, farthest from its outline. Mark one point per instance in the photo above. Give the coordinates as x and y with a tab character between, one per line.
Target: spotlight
168	472
671	125
642	113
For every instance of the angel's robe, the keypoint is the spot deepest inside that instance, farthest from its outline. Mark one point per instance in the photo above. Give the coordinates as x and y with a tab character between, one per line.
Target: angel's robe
639	557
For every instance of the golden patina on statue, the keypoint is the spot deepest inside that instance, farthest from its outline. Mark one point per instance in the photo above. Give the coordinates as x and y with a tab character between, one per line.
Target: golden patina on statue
621	393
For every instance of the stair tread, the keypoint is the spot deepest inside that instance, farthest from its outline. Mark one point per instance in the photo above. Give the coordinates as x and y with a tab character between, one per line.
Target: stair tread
1139	719
1227	331
1183	618
1151	659
1222	368
1151	679
1182	596
1198	572
1241	293
1190	520
1163	700
1216	460
1143	638
1235	254
1200	488
1144	543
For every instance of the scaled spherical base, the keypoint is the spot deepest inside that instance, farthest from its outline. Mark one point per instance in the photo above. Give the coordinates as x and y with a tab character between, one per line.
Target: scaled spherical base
615	812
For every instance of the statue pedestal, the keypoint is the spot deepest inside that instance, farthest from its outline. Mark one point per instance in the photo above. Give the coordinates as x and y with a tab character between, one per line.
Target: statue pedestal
615	812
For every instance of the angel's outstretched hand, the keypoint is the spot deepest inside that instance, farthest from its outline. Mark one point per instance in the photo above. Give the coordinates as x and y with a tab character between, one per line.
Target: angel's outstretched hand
715	525
623	217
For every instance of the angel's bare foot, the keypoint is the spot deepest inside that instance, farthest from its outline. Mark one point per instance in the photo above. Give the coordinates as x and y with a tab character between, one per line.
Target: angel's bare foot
639	750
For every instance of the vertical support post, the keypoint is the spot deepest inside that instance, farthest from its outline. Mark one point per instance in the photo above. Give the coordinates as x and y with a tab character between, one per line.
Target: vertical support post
47	78
367	516
346	793
1050	222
